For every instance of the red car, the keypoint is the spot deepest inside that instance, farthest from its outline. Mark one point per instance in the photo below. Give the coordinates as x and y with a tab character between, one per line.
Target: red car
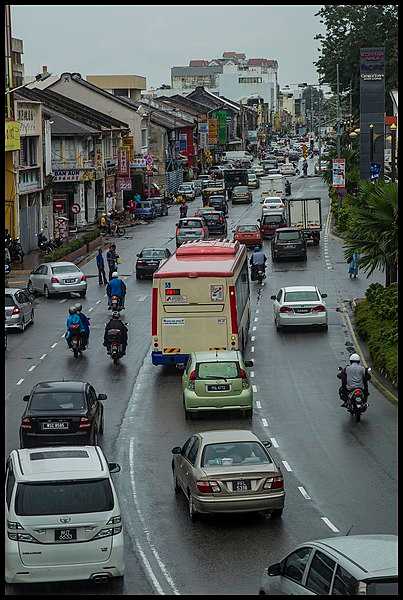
249	235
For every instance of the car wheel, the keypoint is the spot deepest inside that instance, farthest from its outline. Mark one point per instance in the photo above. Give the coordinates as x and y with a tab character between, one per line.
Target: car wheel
325	327
46	292
278	326
83	294
305	257
276	514
32	316
249	413
191	508
101	427
138	276
274	258
95	438
175	482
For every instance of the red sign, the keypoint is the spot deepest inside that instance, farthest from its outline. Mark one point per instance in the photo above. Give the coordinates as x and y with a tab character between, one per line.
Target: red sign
390	120
58	206
123	163
123	183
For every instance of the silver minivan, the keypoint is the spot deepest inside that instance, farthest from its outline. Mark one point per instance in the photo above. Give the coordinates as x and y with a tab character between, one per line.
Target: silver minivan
18	309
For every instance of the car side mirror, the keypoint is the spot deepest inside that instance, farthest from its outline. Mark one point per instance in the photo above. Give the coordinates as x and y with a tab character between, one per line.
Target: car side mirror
176	450
272	297
25	398
274	570
248	363
114	467
324	295
102	396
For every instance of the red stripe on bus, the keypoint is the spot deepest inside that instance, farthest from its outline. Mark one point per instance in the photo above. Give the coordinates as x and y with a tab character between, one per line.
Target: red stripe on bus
154	311
234	312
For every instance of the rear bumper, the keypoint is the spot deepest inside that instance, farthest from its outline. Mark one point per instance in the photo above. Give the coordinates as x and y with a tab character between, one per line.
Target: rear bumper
149	271
158	358
12	322
38	440
241	401
289	253
62	288
302	319
246	504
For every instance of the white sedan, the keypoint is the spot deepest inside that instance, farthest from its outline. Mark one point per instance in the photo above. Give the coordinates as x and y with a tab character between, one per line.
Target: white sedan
299	305
272	202
287	169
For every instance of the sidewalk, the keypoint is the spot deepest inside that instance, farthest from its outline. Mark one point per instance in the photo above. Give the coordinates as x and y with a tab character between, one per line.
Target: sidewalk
19	273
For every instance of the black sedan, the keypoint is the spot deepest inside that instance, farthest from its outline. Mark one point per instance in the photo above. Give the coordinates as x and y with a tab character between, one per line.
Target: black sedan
216	223
62	413
149	260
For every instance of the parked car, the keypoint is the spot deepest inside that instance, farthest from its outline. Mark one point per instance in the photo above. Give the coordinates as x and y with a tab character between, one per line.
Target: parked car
288	242
217	381
253	181
53	278
219	203
228	471
18	309
62	413
190	229
216	223
149	261
287	169
62	516
249	235
258	170
269	164
145	210
240	193
186	190
161	209
299	305
354	565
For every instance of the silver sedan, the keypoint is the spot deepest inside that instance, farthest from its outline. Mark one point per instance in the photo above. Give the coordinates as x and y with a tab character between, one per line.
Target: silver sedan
228	471
57	278
299	305
19	309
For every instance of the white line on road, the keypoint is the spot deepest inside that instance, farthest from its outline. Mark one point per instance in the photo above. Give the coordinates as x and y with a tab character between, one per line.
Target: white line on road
32	368
254	388
258	405
64	300
256	319
252	373
99	301
274	442
304	492
53	345
287	466
257	311
330	524
43	356
91	309
253	337
62	336
252	349
265	422
142	298
19	381
254	328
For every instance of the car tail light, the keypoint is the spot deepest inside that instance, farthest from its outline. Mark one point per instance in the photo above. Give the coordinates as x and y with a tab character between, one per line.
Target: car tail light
85	423
16	310
141	262
286	309
243	375
208	487
83	278
177	231
357	393
192	376
26	423
319	308
54	280
274	483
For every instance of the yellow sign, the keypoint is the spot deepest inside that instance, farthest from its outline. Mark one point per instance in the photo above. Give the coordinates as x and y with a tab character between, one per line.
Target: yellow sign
128	145
12	136
213	131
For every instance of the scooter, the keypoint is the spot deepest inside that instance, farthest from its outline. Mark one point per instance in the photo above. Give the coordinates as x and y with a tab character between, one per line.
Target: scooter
116	304
16	251
76	341
258	273
356	403
115	347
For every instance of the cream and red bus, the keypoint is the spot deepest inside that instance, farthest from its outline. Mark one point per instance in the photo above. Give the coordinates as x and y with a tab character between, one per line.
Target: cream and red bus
200	301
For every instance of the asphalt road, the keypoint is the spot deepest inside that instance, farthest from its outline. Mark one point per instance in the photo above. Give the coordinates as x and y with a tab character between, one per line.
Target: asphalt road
335	469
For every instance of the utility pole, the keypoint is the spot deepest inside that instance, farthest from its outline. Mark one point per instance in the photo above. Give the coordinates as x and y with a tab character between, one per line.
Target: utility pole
338	112
310	88
319	127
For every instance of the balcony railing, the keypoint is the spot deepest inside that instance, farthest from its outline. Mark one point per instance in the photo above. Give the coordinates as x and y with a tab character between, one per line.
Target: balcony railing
72	163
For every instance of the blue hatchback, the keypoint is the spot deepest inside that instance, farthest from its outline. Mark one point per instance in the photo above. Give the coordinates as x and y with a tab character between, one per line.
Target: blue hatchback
146	210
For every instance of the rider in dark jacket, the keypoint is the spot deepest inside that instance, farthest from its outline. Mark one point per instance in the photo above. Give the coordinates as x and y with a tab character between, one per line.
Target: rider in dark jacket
116	323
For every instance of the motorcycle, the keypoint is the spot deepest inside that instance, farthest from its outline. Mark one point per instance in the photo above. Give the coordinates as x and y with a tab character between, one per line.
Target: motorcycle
76	340
115	347
117	230
15	249
44	245
258	273
356	402
116	303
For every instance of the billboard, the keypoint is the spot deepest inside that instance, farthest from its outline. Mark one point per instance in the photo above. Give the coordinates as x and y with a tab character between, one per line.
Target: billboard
339	172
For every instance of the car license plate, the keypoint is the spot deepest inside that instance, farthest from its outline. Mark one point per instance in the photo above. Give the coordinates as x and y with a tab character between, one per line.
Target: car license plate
65	535
225	387
57	425
291	246
240	486
70	281
302	310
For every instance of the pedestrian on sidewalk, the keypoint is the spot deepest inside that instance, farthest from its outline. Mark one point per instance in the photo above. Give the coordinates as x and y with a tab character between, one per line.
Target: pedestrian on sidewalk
112	259
101	268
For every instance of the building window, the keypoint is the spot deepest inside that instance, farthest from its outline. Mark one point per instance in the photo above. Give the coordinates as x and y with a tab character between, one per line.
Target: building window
114	147
250	79
121	92
107	147
144	138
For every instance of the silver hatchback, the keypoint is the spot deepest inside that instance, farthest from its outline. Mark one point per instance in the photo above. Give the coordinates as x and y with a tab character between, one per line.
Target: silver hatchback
190	229
54	278
19	309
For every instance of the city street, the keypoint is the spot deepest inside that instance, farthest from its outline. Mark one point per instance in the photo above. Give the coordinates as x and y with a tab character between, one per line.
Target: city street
338	474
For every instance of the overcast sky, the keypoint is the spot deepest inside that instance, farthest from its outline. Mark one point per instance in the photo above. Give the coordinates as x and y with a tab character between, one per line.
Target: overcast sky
149	40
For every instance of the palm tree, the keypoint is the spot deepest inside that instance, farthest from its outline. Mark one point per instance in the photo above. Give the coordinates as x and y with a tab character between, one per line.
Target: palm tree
373	229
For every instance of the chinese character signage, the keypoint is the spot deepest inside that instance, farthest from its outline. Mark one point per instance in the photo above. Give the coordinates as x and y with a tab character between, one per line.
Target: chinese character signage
128	146
123	163
339	172
138	163
123	183
12	135
213	132
221	116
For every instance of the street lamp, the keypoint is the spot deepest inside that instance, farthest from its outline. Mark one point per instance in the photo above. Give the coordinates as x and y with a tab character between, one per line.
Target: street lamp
393	130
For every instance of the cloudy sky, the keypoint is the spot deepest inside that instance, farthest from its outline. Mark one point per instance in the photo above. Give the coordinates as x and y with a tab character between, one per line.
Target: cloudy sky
148	40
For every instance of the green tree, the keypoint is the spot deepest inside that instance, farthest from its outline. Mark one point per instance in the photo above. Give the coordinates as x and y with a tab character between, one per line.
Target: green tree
373	229
349	28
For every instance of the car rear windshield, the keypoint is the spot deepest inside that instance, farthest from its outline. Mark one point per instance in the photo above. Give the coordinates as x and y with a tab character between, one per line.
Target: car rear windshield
9	300
218	370
272	220
63	497
53	401
234	453
383	587
186	188
241	189
247	228
212	217
307	296
153	253
65	269
190	224
216	200
287	236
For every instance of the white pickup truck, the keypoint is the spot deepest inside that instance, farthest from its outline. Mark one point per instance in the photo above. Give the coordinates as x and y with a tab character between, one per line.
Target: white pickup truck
306	214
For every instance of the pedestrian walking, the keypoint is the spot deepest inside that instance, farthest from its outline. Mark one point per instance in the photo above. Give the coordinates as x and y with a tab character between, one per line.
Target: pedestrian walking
112	259
101	268
353	265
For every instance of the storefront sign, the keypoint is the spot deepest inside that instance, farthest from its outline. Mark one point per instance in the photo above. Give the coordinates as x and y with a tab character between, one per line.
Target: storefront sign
203	142
138	163
29	117
59	206
123	163
183	141
87	175
123	183
12	135
128	145
372	109
372	64
149	159
339	172
222	116
66	175
110	184
203	127
213	132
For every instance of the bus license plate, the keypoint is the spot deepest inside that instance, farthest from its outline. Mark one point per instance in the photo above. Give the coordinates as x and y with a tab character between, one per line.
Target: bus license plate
218	388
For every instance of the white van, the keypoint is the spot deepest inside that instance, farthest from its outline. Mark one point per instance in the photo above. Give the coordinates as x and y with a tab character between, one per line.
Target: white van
62	516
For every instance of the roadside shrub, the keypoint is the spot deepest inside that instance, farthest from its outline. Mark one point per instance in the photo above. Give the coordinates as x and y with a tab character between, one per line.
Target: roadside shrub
71	246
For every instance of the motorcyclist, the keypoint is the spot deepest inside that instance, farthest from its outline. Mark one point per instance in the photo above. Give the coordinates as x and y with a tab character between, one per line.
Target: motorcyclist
353	376
85	322
72	319
183	209
287	187
258	259
305	168
116	323
116	287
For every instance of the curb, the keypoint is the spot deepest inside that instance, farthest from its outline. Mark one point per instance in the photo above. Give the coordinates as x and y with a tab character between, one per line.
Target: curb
374	379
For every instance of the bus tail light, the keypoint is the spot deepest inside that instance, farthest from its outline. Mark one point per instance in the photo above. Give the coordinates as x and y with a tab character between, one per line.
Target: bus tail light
234	313
154	311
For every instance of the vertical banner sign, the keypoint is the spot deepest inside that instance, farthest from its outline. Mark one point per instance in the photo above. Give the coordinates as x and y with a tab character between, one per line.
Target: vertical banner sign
339	172
213	132
123	163
203	134
372	109
221	116
128	146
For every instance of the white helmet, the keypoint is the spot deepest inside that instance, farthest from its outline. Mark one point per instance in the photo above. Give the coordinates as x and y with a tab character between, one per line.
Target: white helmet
115	274
355	358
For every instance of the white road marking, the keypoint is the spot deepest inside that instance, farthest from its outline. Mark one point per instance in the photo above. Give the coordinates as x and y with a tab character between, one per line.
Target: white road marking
304	492
252	349
258	405
145	530
274	442
62	336
32	368
287	466
44	355
265	422
254	388
256	319
99	301
254	328
330	524
252	373
253	337
53	345
20	381
64	300
257	311
91	309
142	298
